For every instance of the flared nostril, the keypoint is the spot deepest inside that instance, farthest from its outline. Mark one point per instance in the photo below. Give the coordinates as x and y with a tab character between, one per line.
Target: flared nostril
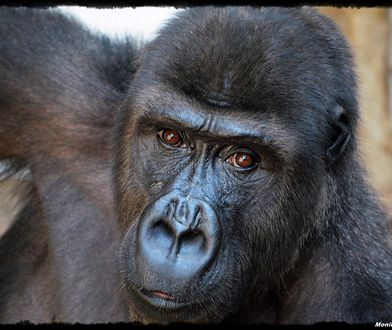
161	235
193	233
191	242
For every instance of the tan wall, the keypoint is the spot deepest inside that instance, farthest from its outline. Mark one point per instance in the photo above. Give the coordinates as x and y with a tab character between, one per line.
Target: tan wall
368	31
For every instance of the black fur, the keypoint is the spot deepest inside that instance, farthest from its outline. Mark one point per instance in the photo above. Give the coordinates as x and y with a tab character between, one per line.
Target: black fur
300	238
60	88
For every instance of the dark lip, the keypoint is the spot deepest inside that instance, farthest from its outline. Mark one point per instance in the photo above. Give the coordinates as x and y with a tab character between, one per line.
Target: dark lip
157	300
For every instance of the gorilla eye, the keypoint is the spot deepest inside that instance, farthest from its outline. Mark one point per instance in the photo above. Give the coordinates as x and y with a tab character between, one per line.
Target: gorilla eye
172	138
242	160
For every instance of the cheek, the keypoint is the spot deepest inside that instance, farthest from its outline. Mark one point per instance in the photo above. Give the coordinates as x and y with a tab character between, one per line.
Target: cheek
155	165
239	191
257	209
146	160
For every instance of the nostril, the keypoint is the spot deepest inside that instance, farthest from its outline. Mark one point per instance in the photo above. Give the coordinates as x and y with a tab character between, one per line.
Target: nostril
163	226
193	233
162	234
192	242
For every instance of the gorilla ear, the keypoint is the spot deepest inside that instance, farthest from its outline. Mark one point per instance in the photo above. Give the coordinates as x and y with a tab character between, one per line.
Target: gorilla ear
341	136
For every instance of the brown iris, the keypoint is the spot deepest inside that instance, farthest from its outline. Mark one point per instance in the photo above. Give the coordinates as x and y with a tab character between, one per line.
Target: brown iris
242	160
172	138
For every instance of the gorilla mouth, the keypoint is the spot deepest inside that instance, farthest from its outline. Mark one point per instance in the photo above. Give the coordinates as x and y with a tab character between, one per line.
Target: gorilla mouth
161	300
162	295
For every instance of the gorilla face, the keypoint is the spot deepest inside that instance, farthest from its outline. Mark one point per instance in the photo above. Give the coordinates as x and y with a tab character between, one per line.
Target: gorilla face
220	159
190	247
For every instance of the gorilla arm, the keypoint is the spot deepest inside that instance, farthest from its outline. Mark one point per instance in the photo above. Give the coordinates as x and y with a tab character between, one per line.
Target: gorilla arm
60	87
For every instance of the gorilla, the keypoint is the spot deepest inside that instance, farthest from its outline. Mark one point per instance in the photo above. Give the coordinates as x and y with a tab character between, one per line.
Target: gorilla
210	175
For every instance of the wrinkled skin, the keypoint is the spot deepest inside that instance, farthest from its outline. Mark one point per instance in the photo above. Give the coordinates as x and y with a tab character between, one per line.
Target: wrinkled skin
238	194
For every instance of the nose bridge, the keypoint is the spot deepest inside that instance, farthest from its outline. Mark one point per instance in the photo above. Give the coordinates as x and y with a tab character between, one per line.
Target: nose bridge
194	178
198	170
188	211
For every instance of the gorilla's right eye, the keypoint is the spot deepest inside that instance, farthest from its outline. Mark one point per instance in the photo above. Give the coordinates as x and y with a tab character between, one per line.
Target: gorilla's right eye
242	160
172	138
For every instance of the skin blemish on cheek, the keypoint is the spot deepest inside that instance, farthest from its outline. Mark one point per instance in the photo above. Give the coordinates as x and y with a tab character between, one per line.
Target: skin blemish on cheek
157	185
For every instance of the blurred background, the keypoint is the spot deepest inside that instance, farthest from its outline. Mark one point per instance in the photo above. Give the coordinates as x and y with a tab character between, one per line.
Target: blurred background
368	30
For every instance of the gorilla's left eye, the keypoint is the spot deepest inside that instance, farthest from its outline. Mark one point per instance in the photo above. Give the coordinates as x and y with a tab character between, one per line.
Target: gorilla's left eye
172	138
242	160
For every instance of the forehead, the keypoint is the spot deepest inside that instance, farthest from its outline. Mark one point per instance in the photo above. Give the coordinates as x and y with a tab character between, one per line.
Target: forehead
240	57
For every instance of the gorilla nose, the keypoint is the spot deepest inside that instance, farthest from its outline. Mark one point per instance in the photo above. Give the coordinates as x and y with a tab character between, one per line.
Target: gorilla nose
179	231
178	236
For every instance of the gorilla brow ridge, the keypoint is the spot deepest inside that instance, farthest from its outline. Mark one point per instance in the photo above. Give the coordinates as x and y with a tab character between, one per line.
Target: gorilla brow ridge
170	118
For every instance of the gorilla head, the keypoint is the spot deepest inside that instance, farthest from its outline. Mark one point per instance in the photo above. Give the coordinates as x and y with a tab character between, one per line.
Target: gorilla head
231	146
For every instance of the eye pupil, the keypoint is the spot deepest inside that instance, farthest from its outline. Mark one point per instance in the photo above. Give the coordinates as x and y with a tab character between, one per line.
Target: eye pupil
243	159
171	137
